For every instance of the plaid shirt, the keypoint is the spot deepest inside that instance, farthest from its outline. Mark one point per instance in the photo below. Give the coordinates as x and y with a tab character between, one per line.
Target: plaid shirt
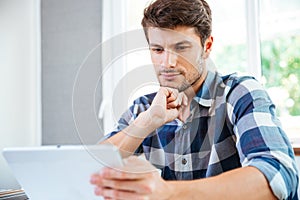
232	124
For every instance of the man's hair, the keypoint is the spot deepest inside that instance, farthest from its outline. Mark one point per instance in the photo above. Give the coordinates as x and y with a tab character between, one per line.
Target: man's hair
173	13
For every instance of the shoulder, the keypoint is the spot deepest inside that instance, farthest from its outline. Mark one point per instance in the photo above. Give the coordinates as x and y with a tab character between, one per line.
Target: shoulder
246	95
240	86
233	80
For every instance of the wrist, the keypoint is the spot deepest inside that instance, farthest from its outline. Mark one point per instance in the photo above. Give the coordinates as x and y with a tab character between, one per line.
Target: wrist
147	122
187	190
141	127
174	190
155	116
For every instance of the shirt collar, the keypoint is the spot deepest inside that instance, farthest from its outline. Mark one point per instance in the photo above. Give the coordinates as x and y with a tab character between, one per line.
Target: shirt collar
205	95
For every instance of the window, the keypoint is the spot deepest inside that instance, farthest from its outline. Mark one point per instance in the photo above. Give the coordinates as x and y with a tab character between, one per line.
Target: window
229	51
280	55
256	37
278	30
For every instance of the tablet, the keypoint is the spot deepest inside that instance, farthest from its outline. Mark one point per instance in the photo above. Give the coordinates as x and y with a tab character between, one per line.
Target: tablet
60	172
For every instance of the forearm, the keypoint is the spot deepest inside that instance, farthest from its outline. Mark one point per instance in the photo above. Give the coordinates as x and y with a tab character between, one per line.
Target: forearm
243	183
129	139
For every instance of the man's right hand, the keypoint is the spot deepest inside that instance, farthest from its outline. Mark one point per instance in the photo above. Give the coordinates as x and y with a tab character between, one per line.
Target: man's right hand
166	106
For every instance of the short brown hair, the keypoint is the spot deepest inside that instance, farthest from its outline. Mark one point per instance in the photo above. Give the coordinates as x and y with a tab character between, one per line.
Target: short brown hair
172	13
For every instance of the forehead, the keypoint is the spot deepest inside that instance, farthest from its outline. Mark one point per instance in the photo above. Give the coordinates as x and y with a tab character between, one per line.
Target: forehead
172	36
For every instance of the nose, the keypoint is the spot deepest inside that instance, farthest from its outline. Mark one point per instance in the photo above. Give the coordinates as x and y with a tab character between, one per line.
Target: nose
169	59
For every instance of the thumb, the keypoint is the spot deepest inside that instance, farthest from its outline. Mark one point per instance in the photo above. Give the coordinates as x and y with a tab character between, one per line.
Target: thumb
161	97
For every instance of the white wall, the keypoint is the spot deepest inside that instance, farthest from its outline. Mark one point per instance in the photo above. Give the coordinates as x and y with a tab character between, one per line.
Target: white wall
19	85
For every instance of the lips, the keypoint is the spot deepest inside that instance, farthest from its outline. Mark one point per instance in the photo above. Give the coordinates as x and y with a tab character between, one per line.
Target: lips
169	75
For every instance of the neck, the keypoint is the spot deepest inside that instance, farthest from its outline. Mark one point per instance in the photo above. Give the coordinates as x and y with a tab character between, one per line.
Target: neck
195	87
190	93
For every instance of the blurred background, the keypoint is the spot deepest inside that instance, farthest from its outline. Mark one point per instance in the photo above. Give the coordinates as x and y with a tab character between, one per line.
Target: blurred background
45	43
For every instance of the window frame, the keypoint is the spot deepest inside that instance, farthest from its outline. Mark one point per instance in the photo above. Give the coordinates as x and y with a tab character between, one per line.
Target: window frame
120	20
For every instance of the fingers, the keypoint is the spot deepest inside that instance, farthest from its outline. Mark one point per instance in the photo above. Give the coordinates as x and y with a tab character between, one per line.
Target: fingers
120	188
167	105
161	96
129	186
109	193
139	179
96	179
170	97
177	100
134	169
131	182
122	175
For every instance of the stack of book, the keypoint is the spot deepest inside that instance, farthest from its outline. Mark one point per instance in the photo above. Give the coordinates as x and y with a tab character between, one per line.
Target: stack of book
13	195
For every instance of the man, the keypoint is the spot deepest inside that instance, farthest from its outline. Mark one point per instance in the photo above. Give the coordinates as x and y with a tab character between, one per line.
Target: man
213	137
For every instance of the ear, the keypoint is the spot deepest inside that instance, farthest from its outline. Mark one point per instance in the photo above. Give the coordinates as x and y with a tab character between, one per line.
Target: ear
208	46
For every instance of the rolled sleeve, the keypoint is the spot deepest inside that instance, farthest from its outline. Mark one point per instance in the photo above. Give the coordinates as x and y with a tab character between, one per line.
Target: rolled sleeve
123	122
140	105
280	171
261	142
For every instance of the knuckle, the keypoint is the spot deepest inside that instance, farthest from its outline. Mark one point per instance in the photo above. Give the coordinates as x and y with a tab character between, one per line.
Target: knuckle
116	194
163	90
144	198
123	175
113	184
148	188
111	193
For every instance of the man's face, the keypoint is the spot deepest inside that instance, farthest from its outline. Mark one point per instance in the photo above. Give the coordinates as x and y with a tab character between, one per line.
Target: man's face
177	56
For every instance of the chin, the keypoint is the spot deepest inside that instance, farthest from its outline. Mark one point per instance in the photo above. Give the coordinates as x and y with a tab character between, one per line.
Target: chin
169	86
169	83
179	87
179	84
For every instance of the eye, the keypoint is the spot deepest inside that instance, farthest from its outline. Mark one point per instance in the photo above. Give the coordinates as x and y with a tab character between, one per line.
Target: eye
157	49
181	48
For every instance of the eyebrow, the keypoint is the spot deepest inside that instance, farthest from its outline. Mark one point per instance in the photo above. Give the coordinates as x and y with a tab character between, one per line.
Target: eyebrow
184	42
154	45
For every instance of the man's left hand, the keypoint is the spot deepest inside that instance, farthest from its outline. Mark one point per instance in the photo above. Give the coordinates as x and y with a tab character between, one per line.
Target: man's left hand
137	179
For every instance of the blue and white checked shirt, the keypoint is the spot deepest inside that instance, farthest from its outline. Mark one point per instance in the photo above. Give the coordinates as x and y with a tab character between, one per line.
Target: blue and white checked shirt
232	124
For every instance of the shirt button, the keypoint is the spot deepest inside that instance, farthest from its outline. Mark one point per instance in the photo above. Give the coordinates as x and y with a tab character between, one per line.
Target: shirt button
183	161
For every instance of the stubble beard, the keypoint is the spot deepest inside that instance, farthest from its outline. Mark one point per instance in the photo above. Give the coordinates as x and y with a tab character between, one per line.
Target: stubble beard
186	84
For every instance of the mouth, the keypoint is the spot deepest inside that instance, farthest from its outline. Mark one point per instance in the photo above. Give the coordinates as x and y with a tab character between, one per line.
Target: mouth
169	75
